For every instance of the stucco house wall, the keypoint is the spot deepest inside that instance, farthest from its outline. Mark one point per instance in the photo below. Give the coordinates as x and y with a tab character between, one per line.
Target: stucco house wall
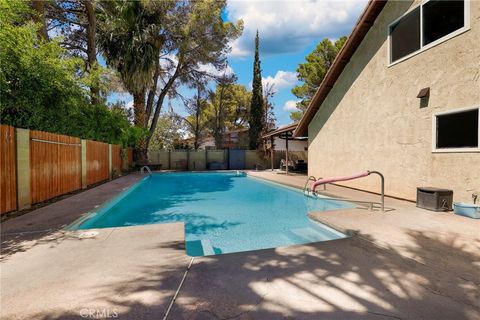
372	119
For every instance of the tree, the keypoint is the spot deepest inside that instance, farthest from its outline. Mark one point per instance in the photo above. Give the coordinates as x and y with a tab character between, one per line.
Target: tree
196	120
130	38
168	132
38	15
241	98
40	87
75	21
268	94
220	102
218	111
227	107
196	37
257	113
156	46
312	72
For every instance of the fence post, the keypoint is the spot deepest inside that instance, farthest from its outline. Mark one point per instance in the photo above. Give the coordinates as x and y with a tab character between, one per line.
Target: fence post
23	168
169	160
110	163
206	158
84	163
124	153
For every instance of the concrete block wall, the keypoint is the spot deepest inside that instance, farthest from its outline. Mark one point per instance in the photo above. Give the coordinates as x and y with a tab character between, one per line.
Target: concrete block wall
23	168
197	160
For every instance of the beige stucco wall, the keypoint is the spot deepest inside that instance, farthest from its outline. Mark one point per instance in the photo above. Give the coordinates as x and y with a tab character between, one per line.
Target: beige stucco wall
372	120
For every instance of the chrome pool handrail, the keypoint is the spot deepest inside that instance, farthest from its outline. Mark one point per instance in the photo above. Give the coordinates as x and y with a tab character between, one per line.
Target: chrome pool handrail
382	190
312	178
142	170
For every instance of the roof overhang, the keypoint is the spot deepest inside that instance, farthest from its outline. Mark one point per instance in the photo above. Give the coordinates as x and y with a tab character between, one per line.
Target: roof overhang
285	132
363	25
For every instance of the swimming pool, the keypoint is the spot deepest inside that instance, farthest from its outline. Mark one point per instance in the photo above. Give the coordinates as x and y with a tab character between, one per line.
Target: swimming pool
222	212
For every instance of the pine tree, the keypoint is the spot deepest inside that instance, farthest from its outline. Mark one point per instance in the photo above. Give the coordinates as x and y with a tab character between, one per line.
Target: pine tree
312	72
257	114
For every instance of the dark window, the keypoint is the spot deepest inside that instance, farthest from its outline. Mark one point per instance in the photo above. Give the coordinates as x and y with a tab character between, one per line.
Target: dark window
405	35
441	18
458	130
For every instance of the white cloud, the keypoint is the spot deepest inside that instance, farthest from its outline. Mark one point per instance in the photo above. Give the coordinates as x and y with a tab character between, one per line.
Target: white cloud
281	80
211	70
129	105
290	105
287	25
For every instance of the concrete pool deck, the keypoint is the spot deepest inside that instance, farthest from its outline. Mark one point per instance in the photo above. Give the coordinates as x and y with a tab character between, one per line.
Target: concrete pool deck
404	264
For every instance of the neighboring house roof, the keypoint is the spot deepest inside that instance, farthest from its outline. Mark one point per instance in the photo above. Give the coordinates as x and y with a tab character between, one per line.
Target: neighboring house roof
237	130
363	25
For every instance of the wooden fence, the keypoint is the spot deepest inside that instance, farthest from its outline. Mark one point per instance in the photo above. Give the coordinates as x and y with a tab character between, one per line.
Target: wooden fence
97	162
128	160
8	181
36	166
55	165
116	159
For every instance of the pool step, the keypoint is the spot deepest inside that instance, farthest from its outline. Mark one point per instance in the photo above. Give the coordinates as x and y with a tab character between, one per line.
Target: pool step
305	235
207	248
198	248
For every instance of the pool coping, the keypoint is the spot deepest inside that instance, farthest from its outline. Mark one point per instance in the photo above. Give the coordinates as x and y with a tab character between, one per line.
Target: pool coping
107	204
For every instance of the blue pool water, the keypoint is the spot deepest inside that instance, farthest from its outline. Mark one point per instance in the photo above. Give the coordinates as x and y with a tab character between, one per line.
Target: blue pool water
222	212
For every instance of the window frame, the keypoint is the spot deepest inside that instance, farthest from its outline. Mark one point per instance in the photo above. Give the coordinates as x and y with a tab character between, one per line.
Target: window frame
465	28
453	150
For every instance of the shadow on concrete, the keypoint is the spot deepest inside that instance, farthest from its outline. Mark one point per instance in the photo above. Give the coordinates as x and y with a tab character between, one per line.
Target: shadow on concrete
342	279
46	224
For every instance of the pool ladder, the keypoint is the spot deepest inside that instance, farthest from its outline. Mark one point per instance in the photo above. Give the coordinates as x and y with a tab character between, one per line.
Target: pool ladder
142	170
306	189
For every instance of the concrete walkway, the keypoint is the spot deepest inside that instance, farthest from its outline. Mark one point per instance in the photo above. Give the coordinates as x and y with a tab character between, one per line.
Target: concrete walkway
404	264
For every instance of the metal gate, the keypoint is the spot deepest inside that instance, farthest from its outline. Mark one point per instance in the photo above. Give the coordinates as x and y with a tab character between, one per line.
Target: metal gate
236	159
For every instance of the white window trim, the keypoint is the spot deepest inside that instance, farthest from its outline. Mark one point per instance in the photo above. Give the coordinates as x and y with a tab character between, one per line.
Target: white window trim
466	27
434	131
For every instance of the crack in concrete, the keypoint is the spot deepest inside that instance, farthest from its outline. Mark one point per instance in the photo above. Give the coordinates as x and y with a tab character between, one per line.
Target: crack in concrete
384	315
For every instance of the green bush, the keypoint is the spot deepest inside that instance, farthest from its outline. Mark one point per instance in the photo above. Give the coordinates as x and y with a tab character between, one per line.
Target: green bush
41	86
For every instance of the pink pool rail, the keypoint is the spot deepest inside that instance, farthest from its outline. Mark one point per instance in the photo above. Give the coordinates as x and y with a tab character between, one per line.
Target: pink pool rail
339	178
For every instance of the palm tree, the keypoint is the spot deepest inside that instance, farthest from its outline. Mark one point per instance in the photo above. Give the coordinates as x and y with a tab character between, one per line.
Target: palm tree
130	41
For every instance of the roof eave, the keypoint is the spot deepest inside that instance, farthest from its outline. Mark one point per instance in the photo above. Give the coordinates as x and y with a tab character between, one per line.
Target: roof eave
290	127
363	25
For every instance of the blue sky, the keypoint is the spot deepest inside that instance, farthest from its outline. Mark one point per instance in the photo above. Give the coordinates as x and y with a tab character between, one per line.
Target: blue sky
289	30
